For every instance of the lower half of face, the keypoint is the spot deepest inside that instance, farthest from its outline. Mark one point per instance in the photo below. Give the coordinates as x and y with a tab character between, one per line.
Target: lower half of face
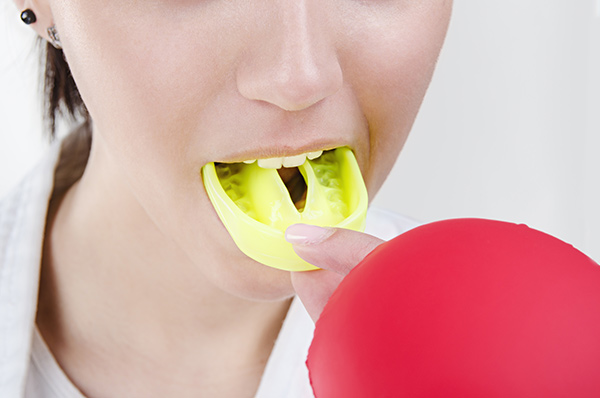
187	83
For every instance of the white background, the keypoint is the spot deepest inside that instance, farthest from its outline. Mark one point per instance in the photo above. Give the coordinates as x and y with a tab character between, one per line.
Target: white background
510	129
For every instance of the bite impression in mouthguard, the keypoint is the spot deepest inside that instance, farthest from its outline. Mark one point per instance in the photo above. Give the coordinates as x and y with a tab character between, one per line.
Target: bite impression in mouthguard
257	204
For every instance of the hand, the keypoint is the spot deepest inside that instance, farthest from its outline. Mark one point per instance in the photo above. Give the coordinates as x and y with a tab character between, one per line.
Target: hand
336	251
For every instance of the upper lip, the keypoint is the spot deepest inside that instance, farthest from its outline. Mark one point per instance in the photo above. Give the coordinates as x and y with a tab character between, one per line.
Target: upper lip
268	152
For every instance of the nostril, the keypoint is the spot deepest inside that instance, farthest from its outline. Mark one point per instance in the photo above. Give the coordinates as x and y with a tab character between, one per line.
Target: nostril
294	90
297	90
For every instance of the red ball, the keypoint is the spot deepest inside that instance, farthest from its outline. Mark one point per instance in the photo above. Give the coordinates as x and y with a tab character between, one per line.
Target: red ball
463	308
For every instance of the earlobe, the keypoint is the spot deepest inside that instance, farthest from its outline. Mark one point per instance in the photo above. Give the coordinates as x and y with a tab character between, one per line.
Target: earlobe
38	15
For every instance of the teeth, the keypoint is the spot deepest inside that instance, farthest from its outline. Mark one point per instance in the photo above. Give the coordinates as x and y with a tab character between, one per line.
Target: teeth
272	163
288	161
314	155
294	161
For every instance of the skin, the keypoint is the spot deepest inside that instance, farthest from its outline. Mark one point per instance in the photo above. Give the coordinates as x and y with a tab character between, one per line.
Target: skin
142	288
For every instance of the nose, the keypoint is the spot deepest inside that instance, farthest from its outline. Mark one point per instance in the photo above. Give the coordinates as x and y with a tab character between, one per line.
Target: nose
291	61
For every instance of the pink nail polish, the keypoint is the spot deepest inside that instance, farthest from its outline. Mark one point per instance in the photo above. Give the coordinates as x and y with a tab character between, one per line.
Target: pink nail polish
306	234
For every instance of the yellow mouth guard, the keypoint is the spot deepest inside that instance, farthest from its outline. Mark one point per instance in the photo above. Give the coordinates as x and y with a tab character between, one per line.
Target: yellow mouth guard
255	206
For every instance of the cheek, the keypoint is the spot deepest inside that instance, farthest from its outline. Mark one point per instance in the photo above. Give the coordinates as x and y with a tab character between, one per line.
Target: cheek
146	79
147	93
393	62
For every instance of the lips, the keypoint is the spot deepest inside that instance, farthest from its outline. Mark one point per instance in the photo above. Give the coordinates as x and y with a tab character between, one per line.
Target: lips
258	200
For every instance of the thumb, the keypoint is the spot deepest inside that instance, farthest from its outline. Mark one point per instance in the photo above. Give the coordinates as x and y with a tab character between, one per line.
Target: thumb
336	251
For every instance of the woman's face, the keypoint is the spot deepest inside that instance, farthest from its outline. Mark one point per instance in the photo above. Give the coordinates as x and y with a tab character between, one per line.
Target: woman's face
174	84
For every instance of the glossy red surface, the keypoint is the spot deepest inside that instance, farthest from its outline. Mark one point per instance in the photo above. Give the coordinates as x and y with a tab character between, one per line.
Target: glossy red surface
463	308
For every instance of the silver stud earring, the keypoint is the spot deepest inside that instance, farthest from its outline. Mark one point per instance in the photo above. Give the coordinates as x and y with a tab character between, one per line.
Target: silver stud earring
54	39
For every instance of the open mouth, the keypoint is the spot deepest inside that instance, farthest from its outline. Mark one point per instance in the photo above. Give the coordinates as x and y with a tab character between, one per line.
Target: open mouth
288	170
295	184
258	199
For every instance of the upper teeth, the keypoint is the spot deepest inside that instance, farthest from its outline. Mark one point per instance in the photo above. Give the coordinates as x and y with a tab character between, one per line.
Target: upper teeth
286	161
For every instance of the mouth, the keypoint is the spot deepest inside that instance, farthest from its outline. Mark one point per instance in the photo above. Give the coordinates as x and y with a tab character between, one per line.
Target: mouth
288	169
258	199
295	184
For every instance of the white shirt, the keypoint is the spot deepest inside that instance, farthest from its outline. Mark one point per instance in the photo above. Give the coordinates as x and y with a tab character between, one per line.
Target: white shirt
28	368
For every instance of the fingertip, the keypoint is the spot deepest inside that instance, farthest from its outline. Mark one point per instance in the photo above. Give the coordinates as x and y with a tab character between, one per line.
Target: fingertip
307	234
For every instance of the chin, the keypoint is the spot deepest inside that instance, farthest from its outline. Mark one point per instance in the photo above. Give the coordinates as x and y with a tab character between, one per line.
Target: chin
250	280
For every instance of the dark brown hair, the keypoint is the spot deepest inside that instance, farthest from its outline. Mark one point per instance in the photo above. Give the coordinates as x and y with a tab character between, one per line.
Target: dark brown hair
61	96
62	99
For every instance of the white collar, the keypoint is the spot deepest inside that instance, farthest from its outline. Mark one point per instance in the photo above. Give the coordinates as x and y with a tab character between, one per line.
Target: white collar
22	225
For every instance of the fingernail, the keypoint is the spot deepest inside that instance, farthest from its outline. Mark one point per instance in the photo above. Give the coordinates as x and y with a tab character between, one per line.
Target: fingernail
306	234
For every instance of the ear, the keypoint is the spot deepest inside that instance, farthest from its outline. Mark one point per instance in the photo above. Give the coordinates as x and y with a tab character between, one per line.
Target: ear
43	15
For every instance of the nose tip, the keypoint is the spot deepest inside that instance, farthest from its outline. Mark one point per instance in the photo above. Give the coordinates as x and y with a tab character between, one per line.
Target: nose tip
293	88
293	63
